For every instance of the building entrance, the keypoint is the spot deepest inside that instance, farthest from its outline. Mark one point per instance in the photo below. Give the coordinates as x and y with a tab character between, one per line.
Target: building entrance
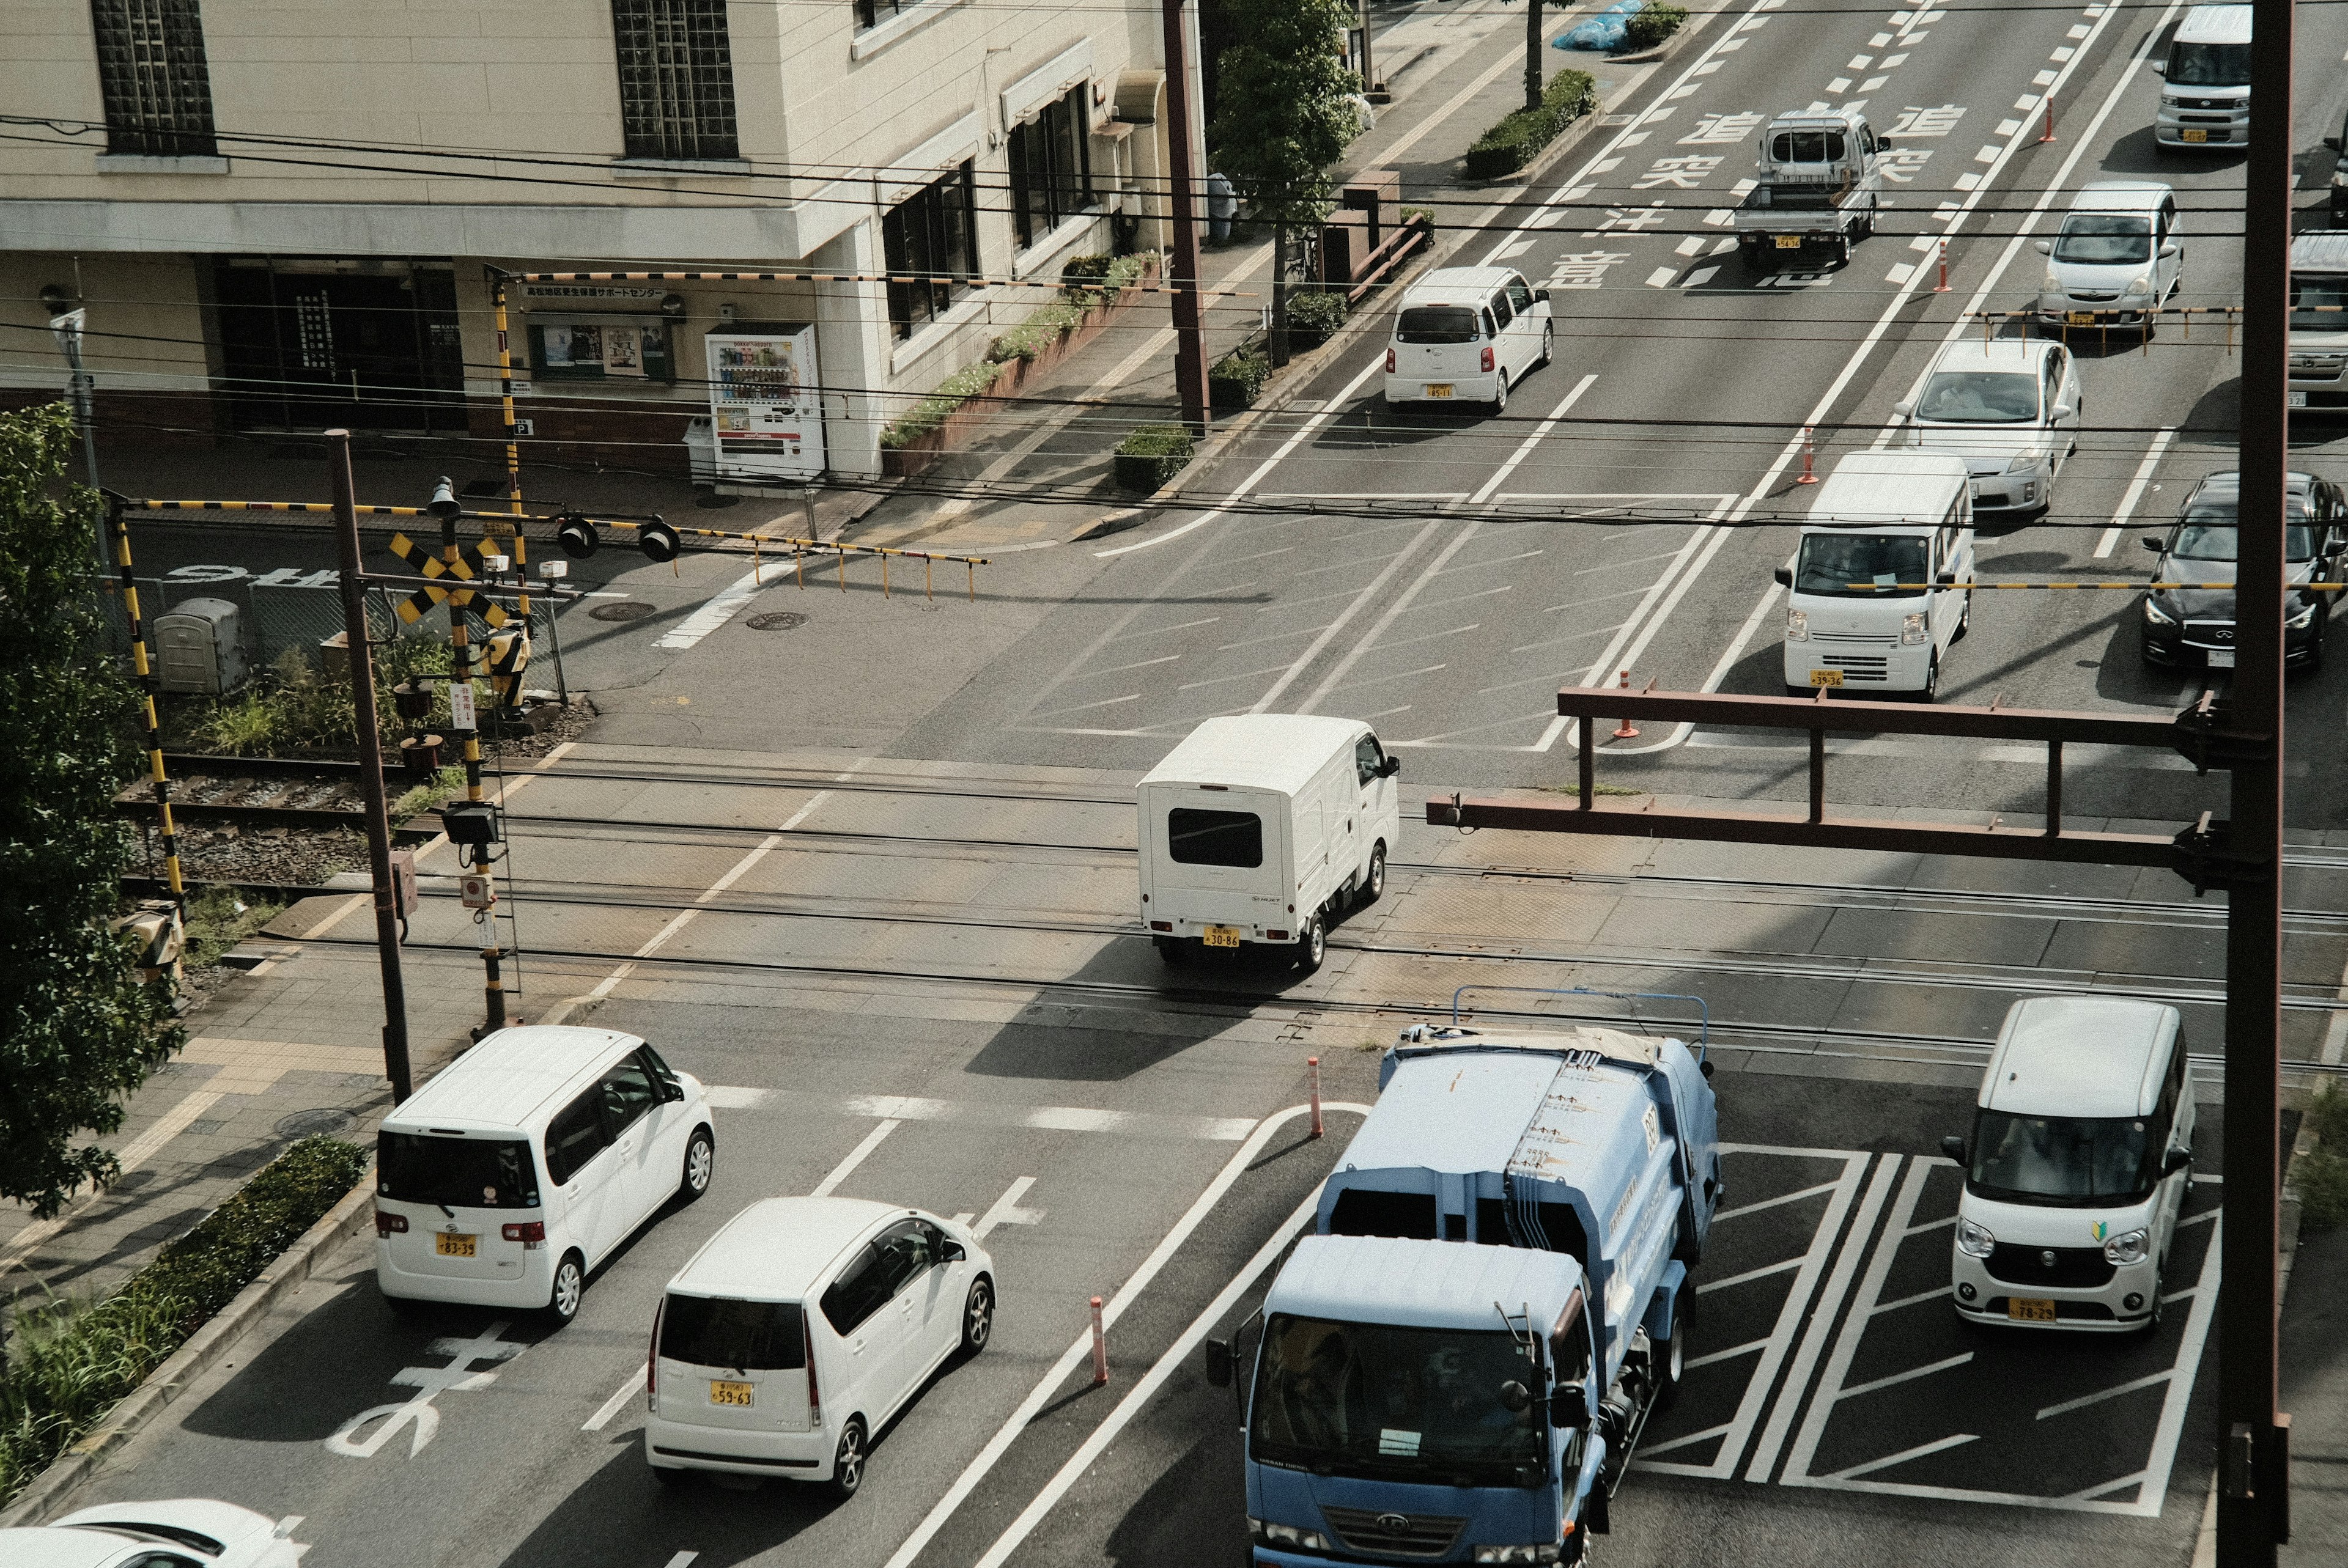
371	344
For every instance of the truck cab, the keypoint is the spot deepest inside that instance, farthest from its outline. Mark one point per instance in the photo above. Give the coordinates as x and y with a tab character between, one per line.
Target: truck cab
1819	182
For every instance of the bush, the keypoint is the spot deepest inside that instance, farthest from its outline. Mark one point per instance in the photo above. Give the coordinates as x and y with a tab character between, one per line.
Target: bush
934	410
1650	25
1313	317
1511	144
1081	273
1127	271
217	920
1042	329
73	1361
2327	1116
297	708
1153	454
1234	380
2320	1176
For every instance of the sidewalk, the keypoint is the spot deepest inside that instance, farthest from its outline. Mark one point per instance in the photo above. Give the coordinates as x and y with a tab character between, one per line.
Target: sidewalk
2315	1391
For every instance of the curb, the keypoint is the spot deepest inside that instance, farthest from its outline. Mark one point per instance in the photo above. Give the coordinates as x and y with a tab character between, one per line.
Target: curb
48	1494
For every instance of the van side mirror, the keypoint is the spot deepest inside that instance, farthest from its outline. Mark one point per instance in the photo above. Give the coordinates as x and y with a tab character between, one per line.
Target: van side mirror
1390	768
2160	68
1782	577
2168	247
2152	543
1954	1148
1946	580
2043	247
1568	1408
1218	1363
2333	142
2178	1160
1903	410
2064	411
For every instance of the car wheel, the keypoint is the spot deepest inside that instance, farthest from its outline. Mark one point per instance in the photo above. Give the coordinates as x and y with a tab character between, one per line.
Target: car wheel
2159	1308
1932	691
1171	951
848	1462
1374	886
1671	1357
570	1285
671	1474
1500	392
1311	945
1964	620
1549	342
700	1164
978	1317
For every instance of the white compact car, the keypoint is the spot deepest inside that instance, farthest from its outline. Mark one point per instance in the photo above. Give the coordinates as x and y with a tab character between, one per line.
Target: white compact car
527	1162
2116	260
2078	1166
182	1533
1467	333
800	1330
2009	407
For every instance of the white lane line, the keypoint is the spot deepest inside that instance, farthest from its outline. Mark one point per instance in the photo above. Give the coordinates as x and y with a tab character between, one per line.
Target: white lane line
1005	1210
1403	600
2134	491
1329	632
1904	1455
1690	1440
629	1388
682	1560
1935	1293
1909	1376
2068	1406
1081	1346
847	1167
1728	1355
1846	1347
1823	1187
715	613
1766	1271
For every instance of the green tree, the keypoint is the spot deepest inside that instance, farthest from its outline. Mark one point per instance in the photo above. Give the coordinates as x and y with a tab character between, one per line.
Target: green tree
79	1030
1281	118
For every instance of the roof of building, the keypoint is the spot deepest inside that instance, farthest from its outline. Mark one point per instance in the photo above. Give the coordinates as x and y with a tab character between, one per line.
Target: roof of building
507	1079
1435	1285
2080	1056
778	1248
1257	750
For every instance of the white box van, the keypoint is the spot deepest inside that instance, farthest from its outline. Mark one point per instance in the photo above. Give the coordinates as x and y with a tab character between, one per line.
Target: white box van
506	1180
1469	334
800	1328
1261	828
1893	521
2207	101
2079	1163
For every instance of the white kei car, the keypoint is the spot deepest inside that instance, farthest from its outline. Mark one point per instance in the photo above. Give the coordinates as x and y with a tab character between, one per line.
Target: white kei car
182	1533
2009	407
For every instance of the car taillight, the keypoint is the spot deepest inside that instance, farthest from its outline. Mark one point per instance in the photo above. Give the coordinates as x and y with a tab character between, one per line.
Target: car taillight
1487	364
815	1396
1161	925
390	1225
1275	935
1389	362
651	1361
529	1230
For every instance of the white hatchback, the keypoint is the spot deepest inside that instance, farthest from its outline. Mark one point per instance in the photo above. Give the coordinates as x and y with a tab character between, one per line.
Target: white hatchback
1467	333
2116	261
800	1330
2009	407
182	1532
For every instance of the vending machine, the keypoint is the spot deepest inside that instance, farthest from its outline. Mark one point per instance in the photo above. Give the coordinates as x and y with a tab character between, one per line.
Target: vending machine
765	403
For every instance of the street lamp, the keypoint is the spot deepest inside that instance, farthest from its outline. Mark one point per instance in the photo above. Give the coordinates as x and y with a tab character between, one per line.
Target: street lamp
66	319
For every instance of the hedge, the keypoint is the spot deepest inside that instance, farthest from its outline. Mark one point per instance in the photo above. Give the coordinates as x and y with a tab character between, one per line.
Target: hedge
1153	454
1234	380
1511	144
934	410
1314	315
72	1362
1650	25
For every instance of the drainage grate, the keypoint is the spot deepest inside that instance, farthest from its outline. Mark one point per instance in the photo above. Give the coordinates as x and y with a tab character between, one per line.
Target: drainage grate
627	609
777	620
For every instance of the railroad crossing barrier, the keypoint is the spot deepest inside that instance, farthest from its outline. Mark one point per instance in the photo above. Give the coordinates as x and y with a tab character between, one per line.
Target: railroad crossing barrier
2103	321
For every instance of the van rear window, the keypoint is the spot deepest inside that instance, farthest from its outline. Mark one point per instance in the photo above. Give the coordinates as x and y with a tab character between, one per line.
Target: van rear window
746	1336
477	1172
1436	324
1197	837
1807	147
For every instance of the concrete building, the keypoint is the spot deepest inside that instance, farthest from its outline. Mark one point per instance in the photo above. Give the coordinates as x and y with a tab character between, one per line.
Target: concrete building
281	212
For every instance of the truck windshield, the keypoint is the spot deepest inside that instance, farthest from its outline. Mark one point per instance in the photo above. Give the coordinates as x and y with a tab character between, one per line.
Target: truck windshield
1436	324
1891	565
1369	1398
2319	302
2061	1160
474	1173
2106	239
1978	397
1807	147
2210	66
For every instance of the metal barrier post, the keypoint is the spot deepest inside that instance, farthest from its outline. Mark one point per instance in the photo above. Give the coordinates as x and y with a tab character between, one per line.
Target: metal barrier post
1101	1347
1314	1064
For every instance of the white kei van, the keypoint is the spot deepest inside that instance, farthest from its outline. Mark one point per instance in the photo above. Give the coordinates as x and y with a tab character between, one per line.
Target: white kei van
800	1330
1468	333
506	1180
2319	322
2079	1163
1262	828
1874	601
2206	100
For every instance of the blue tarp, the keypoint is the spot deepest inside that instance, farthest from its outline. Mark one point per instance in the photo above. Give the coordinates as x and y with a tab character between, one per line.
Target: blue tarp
1602	32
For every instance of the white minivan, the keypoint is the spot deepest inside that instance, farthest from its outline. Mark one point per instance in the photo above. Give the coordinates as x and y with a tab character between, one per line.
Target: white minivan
1880	579
800	1330
2116	261
2206	100
2319	322
525	1163
1262	828
1468	333
2077	1168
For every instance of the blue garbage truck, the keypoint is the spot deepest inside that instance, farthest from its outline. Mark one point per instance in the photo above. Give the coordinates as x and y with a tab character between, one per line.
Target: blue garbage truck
1458	1364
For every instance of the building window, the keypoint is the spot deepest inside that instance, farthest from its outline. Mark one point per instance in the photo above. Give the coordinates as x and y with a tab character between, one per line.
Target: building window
152	73
677	78
1051	168
929	241
871	13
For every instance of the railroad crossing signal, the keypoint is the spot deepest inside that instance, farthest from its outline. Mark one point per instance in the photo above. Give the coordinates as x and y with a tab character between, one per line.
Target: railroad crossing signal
469	565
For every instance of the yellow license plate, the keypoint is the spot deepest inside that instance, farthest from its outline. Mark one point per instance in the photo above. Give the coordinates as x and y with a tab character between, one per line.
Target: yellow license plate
2192	136
1223	936
2026	1309
1438	389
2080	319
1825	677
448	1246
1789	241
725	1393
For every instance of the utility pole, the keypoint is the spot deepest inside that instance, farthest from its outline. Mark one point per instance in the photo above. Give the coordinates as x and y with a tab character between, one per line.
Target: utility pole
360	651
1189	345
2254	1435
1532	54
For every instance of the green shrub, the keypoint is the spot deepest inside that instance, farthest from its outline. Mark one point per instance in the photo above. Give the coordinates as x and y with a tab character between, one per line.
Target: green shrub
1127	271
1042	329
2321	1175
1650	26
71	1362
427	795
1511	144
217	920
1234	380
934	410
1410	213
2327	1116
1081	273
1314	316
296	707
1150	456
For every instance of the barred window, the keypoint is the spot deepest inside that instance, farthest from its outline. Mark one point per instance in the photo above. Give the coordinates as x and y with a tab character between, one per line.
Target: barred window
152	76
677	78
1051	168
929	241
872	13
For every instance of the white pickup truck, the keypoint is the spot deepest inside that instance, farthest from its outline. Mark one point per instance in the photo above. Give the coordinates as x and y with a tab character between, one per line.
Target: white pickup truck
1819	184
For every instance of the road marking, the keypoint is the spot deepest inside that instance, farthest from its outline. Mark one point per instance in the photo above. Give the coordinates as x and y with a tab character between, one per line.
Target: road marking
714	614
1729	1355
1938	1445
1081	1346
417	1411
733	1097
1909	1376
1006	1210
841	1172
1766	1271
2134	491
1935	1293
629	1388
1329	632
1818	1191
682	1560
2068	1406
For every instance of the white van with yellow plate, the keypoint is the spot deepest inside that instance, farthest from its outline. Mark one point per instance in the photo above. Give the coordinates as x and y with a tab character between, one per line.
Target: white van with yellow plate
1878	582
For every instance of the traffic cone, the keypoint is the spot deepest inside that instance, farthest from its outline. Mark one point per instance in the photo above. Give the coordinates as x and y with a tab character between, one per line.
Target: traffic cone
1809	476
1626	731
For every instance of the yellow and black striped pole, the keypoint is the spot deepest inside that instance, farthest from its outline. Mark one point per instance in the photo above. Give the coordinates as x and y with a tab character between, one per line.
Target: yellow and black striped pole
118	526
506	401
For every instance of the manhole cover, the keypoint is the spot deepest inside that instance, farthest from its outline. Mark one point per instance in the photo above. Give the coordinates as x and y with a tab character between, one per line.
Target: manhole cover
777	620
314	1123
627	609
